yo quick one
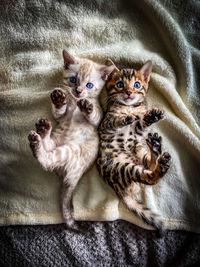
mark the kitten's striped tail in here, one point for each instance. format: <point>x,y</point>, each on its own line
<point>143,212</point>
<point>67,209</point>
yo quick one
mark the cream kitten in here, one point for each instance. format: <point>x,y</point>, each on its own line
<point>72,147</point>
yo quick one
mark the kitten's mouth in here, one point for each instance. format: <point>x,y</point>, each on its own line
<point>78,95</point>
<point>128,98</point>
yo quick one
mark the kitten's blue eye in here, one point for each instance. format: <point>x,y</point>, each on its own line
<point>89,85</point>
<point>137,85</point>
<point>120,85</point>
<point>72,79</point>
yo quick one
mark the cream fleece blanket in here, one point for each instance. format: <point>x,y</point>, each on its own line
<point>33,34</point>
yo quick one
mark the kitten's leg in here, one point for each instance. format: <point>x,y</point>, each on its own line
<point>92,111</point>
<point>152,176</point>
<point>55,158</point>
<point>59,103</point>
<point>111,123</point>
<point>123,174</point>
<point>155,148</point>
<point>44,128</point>
<point>152,116</point>
<point>161,168</point>
<point>139,173</point>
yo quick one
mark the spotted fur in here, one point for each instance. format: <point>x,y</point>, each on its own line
<point>126,160</point>
<point>71,148</point>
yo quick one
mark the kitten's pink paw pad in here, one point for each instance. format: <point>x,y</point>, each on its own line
<point>59,98</point>
<point>43,127</point>
<point>34,140</point>
<point>85,106</point>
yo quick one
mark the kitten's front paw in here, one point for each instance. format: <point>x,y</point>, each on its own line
<point>59,98</point>
<point>154,142</point>
<point>153,116</point>
<point>129,120</point>
<point>34,141</point>
<point>43,127</point>
<point>85,106</point>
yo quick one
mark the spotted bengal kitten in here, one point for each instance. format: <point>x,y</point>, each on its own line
<point>72,147</point>
<point>125,158</point>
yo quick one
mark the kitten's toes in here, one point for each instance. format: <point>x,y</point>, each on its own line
<point>43,127</point>
<point>163,162</point>
<point>59,98</point>
<point>154,142</point>
<point>34,141</point>
<point>129,120</point>
<point>85,106</point>
<point>154,115</point>
<point>165,158</point>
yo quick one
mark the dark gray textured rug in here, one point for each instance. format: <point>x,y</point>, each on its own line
<point>116,243</point>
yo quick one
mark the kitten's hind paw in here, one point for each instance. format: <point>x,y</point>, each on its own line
<point>43,127</point>
<point>152,116</point>
<point>85,106</point>
<point>34,141</point>
<point>154,143</point>
<point>163,162</point>
<point>59,98</point>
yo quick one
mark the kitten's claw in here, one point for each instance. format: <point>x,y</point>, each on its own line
<point>34,141</point>
<point>85,106</point>
<point>59,98</point>
<point>153,116</point>
<point>154,142</point>
<point>43,127</point>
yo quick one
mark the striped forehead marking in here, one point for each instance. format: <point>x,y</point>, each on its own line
<point>127,73</point>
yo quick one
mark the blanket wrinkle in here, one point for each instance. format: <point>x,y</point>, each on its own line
<point>33,36</point>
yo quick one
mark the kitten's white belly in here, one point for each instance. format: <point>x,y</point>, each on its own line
<point>78,131</point>
<point>81,133</point>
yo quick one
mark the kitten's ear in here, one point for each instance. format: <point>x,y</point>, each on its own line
<point>109,62</point>
<point>106,71</point>
<point>68,59</point>
<point>146,71</point>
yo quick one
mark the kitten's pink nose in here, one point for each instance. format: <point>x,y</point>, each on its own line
<point>129,92</point>
<point>78,90</point>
